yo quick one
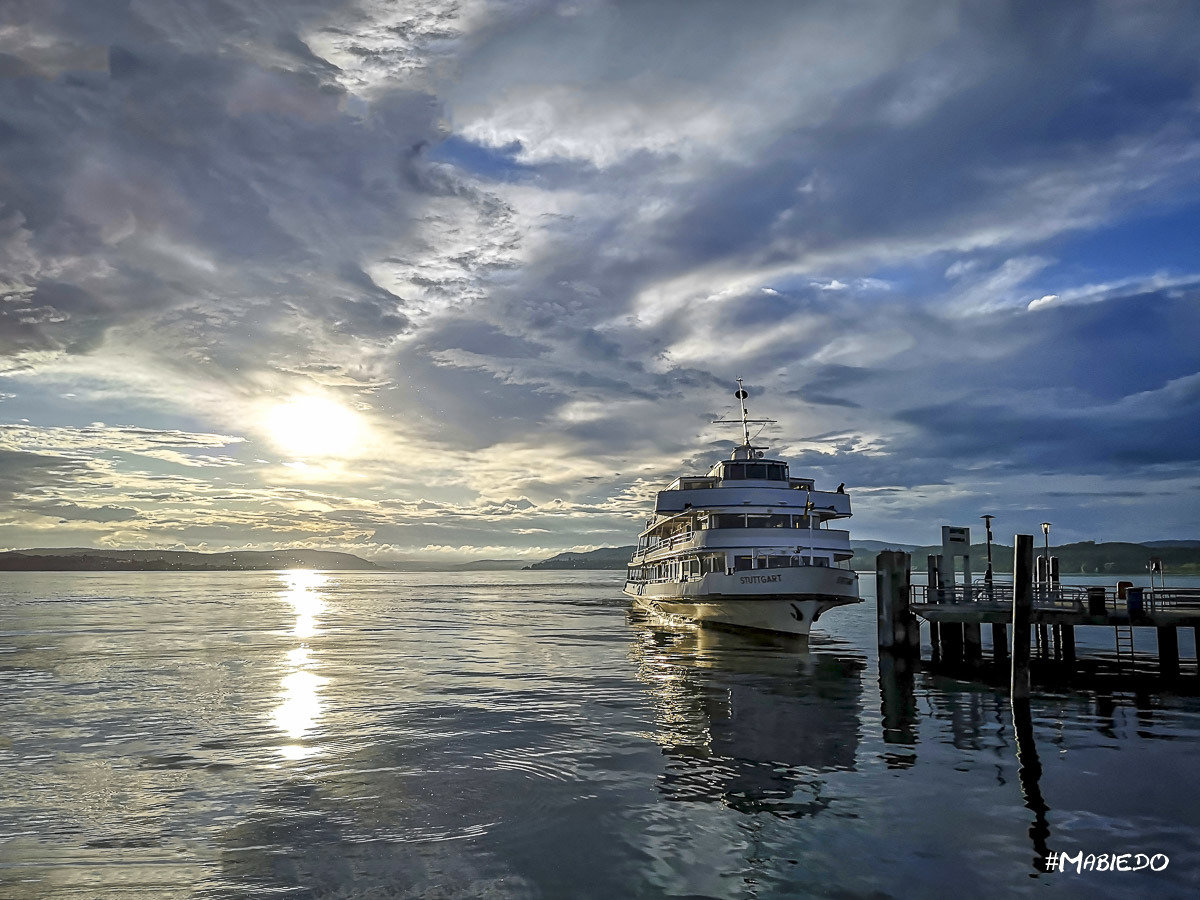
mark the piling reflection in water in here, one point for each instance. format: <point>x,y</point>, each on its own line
<point>898,703</point>
<point>747,721</point>
<point>301,699</point>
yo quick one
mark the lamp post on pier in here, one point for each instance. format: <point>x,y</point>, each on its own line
<point>1046,555</point>
<point>987,576</point>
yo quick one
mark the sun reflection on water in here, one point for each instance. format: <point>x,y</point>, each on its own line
<point>300,708</point>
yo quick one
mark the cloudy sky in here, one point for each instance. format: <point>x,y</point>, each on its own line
<point>463,279</point>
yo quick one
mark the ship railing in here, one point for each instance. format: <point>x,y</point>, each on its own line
<point>798,535</point>
<point>669,544</point>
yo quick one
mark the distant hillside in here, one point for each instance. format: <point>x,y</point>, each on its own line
<point>604,558</point>
<point>883,545</point>
<point>1088,557</point>
<point>84,559</point>
<point>488,565</point>
<point>426,565</point>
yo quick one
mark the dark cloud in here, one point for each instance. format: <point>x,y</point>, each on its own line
<point>22,471</point>
<point>66,512</point>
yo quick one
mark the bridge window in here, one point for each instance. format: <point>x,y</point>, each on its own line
<point>735,471</point>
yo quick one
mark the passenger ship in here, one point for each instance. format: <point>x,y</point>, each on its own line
<point>745,546</point>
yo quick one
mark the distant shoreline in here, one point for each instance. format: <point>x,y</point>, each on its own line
<point>1113,559</point>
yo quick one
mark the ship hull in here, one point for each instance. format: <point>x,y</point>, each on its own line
<point>785,601</point>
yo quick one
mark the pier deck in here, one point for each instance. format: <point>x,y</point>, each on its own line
<point>1046,612</point>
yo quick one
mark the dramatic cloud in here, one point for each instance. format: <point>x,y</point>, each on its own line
<point>518,252</point>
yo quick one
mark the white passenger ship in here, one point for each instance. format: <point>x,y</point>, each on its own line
<point>745,546</point>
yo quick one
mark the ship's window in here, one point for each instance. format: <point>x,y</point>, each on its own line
<point>756,470</point>
<point>773,521</point>
<point>729,520</point>
<point>741,563</point>
<point>735,470</point>
<point>776,472</point>
<point>780,562</point>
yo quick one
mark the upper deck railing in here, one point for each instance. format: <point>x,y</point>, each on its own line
<point>743,538</point>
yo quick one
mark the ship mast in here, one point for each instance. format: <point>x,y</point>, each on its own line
<point>742,395</point>
<point>746,421</point>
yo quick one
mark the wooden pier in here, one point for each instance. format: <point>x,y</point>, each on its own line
<point>1046,612</point>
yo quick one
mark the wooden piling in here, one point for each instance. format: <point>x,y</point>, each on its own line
<point>1068,642</point>
<point>899,630</point>
<point>952,642</point>
<point>999,642</point>
<point>1022,609</point>
<point>885,603</point>
<point>1168,650</point>
<point>972,642</point>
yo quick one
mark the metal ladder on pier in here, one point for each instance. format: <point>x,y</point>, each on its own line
<point>1124,634</point>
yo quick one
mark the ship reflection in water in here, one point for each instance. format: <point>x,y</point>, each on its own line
<point>751,722</point>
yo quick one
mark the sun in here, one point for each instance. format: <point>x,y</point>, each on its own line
<point>315,427</point>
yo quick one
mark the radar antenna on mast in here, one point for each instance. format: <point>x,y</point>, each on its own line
<point>745,421</point>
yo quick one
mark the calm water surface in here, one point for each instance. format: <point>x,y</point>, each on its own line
<point>512,734</point>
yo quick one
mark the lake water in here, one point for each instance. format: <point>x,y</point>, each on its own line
<point>512,734</point>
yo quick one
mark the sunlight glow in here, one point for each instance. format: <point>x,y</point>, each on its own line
<point>300,701</point>
<point>305,599</point>
<point>315,427</point>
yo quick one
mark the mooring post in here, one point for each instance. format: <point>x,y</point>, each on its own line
<point>1068,638</point>
<point>884,601</point>
<point>935,579</point>
<point>933,595</point>
<point>1168,650</point>
<point>1022,610</point>
<point>899,630</point>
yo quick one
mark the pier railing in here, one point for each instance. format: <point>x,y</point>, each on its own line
<point>1065,597</point>
<point>1001,593</point>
